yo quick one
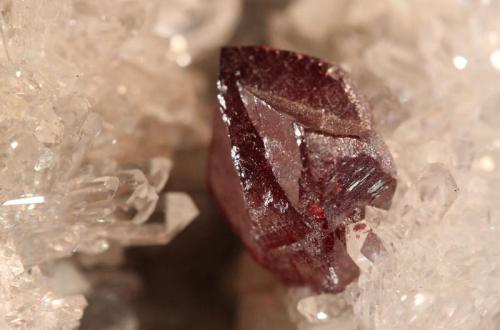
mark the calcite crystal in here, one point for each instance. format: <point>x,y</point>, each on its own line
<point>294,161</point>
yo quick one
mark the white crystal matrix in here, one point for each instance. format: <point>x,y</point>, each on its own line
<point>83,84</point>
<point>431,69</point>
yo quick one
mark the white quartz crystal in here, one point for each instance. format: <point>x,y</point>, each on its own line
<point>90,112</point>
<point>431,71</point>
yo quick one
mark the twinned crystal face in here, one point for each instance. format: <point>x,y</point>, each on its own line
<point>294,161</point>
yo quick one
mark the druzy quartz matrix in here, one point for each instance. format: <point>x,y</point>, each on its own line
<point>295,161</point>
<point>83,84</point>
<point>431,71</point>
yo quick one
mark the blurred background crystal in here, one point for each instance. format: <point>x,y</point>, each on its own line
<point>429,68</point>
<point>104,125</point>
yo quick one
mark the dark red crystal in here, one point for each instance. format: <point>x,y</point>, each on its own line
<point>294,160</point>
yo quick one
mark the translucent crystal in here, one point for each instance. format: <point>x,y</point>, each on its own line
<point>32,300</point>
<point>80,170</point>
<point>180,211</point>
<point>181,27</point>
<point>328,310</point>
<point>437,190</point>
<point>179,31</point>
<point>431,66</point>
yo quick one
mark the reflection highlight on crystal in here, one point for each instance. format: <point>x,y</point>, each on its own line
<point>321,316</point>
<point>495,59</point>
<point>460,62</point>
<point>25,201</point>
<point>183,60</point>
<point>418,299</point>
<point>178,44</point>
<point>487,164</point>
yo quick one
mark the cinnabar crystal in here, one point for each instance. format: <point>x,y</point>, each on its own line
<point>294,160</point>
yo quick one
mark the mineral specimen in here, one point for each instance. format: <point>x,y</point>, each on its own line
<point>431,72</point>
<point>294,161</point>
<point>90,114</point>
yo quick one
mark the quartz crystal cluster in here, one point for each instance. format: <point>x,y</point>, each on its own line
<point>89,116</point>
<point>431,71</point>
<point>295,161</point>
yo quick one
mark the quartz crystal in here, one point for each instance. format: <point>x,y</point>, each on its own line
<point>90,115</point>
<point>294,161</point>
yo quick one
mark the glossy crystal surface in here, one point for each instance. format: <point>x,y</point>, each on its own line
<point>294,161</point>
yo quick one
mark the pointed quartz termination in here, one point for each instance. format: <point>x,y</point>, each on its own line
<point>294,161</point>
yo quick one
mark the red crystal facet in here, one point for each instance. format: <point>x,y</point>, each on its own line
<point>294,160</point>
